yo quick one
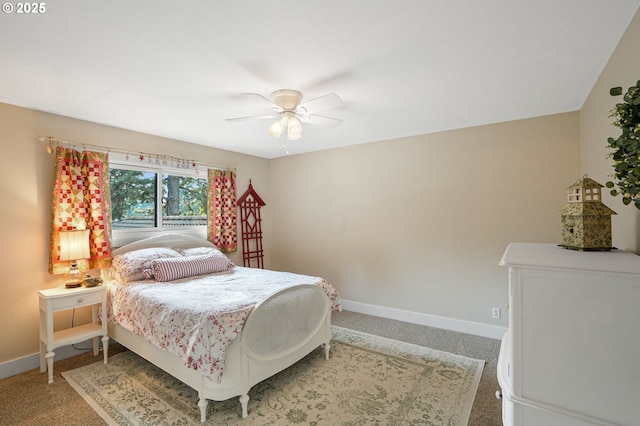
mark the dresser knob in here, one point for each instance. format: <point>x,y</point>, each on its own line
<point>80,300</point>
<point>499,394</point>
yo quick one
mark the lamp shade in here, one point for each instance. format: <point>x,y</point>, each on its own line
<point>275,129</point>
<point>294,129</point>
<point>74,244</point>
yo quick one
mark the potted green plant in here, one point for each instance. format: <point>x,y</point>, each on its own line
<point>626,147</point>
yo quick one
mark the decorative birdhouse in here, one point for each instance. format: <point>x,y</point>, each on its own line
<point>586,221</point>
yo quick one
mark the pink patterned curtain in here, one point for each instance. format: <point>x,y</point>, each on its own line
<point>81,200</point>
<point>222,227</point>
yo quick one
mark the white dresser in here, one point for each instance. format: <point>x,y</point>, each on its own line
<point>572,353</point>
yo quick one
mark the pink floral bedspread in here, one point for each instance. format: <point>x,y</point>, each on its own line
<point>197,318</point>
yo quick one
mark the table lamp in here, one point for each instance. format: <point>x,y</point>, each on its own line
<point>74,245</point>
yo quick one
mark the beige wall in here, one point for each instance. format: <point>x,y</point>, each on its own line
<point>420,223</point>
<point>26,179</point>
<point>623,70</point>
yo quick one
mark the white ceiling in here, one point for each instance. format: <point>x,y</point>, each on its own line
<point>402,67</point>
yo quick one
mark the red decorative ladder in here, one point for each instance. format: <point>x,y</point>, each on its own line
<point>250,204</point>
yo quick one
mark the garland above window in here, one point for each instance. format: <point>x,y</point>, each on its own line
<point>144,158</point>
<point>626,148</point>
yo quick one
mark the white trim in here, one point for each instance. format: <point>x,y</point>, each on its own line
<point>469,327</point>
<point>29,362</point>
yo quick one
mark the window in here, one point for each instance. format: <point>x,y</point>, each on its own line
<point>184,201</point>
<point>133,198</point>
<point>146,200</point>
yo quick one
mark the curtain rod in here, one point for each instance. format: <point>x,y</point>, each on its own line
<point>51,141</point>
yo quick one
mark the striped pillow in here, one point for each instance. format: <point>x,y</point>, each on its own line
<point>181,267</point>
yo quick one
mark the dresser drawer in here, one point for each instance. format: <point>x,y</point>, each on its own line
<point>84,299</point>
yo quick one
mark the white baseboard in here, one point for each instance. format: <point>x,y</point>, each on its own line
<point>29,362</point>
<point>469,327</point>
<point>20,365</point>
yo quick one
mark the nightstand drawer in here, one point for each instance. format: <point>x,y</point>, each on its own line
<point>83,299</point>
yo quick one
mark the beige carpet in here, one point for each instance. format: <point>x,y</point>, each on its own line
<point>369,380</point>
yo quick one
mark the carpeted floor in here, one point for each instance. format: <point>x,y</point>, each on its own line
<point>27,399</point>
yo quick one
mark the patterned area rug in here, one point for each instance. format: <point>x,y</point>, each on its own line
<point>369,380</point>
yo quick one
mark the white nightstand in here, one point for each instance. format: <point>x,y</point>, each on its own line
<point>62,299</point>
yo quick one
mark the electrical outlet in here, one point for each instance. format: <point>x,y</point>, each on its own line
<point>495,313</point>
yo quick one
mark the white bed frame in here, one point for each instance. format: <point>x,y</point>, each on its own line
<point>280,331</point>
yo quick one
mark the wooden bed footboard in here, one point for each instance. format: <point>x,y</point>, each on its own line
<point>280,331</point>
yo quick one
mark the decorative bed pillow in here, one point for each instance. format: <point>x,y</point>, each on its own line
<point>130,266</point>
<point>175,268</point>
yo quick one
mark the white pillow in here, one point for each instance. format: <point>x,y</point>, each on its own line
<point>130,266</point>
<point>199,251</point>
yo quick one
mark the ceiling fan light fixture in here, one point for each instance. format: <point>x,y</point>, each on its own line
<point>294,128</point>
<point>290,112</point>
<point>276,128</point>
<point>293,137</point>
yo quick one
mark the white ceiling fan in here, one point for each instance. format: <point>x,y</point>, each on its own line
<point>289,112</point>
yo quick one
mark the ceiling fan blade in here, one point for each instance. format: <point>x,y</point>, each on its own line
<point>252,117</point>
<point>322,103</point>
<point>270,103</point>
<point>319,120</point>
